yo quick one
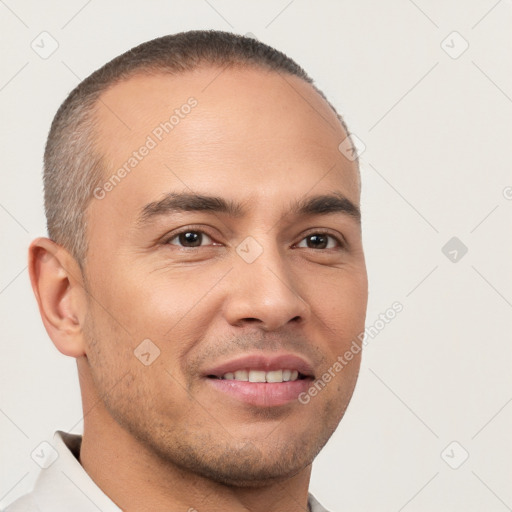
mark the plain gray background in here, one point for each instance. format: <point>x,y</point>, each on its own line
<point>436,120</point>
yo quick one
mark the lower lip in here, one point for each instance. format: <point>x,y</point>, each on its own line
<point>262,394</point>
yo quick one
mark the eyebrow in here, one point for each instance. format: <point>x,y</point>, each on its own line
<point>174,202</point>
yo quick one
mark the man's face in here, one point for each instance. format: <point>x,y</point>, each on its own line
<point>264,288</point>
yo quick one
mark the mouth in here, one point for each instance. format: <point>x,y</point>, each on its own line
<point>262,380</point>
<point>248,375</point>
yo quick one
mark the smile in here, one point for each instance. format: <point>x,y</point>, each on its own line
<point>261,376</point>
<point>261,380</point>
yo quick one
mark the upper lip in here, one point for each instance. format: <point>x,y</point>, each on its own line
<point>263,362</point>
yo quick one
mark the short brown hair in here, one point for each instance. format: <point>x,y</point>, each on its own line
<point>72,165</point>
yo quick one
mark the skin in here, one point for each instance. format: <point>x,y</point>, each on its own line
<point>158,437</point>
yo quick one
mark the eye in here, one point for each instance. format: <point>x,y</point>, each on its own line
<point>320,241</point>
<point>189,238</point>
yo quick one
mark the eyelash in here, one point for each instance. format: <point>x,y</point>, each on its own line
<point>341,243</point>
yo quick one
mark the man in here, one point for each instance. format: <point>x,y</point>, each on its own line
<point>205,268</point>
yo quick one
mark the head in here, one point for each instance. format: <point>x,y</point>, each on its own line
<point>199,211</point>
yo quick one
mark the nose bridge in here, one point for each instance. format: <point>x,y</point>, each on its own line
<point>263,288</point>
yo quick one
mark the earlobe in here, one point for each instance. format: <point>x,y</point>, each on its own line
<point>57,283</point>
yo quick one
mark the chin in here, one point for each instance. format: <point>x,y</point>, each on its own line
<point>249,463</point>
<point>250,473</point>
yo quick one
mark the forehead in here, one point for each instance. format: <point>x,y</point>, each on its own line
<point>225,131</point>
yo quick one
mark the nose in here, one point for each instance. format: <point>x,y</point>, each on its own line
<point>264,293</point>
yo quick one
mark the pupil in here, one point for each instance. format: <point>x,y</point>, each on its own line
<point>190,237</point>
<point>319,241</point>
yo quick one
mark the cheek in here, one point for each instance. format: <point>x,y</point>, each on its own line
<point>341,301</point>
<point>109,353</point>
<point>124,377</point>
<point>341,313</point>
<point>149,306</point>
<point>173,312</point>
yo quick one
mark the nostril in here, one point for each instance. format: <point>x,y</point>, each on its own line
<point>248,321</point>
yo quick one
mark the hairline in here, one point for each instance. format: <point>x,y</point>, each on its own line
<point>74,162</point>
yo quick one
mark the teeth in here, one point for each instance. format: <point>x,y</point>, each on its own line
<point>262,376</point>
<point>275,376</point>
<point>256,376</point>
<point>241,375</point>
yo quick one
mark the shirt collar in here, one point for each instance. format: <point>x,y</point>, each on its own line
<point>64,484</point>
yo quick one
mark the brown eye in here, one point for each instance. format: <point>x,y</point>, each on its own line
<point>189,238</point>
<point>320,241</point>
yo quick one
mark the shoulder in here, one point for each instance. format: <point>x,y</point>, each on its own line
<point>23,504</point>
<point>314,505</point>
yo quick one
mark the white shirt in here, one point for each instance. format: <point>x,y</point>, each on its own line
<point>64,485</point>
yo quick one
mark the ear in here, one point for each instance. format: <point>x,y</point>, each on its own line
<point>57,283</point>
